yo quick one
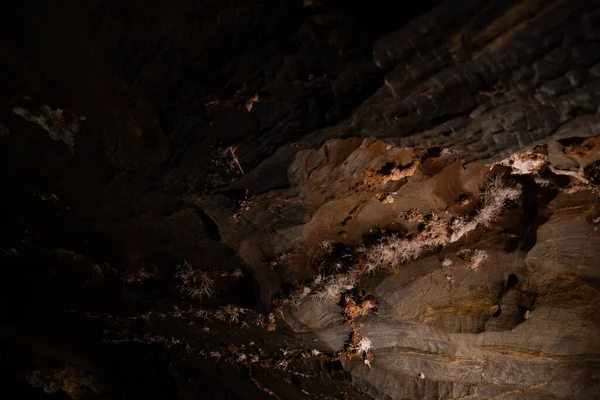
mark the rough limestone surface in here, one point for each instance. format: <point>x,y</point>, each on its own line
<point>300,199</point>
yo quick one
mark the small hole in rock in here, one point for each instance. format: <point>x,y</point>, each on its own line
<point>334,366</point>
<point>432,152</point>
<point>387,168</point>
<point>511,281</point>
<point>497,313</point>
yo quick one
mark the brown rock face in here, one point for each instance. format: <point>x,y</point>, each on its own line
<point>301,199</point>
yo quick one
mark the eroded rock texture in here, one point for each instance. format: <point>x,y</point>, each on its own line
<point>301,199</point>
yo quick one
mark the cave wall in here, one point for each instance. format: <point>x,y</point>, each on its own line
<point>293,199</point>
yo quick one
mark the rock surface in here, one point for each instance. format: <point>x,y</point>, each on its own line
<point>287,199</point>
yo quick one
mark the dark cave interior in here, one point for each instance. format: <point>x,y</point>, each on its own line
<point>300,199</point>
